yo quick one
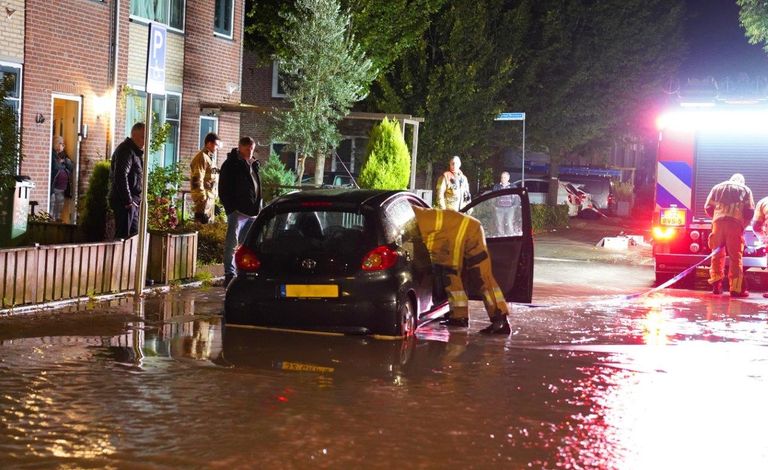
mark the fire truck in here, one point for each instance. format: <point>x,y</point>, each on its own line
<point>699,147</point>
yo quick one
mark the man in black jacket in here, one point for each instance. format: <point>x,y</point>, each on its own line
<point>125,174</point>
<point>240,193</point>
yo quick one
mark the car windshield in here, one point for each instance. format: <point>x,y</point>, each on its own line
<point>325,230</point>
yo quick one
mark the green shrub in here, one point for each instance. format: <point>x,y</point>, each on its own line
<point>210,242</point>
<point>273,175</point>
<point>546,217</point>
<point>10,142</point>
<point>388,164</point>
<point>162,189</point>
<point>96,211</point>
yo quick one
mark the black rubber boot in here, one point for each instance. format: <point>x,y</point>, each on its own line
<point>498,326</point>
<point>717,287</point>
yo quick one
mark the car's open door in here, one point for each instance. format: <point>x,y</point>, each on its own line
<point>506,219</point>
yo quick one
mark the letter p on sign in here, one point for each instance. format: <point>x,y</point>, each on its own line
<point>155,78</point>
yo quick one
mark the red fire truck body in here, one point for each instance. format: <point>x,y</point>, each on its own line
<point>698,148</point>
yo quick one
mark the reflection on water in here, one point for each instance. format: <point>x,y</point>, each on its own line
<point>659,383</point>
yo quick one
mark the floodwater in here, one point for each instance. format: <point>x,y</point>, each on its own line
<point>676,380</point>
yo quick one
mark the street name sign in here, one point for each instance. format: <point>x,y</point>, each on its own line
<point>510,117</point>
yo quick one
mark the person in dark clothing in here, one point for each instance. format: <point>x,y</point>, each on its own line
<point>240,194</point>
<point>126,178</point>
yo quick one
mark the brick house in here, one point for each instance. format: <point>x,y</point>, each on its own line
<point>80,65</point>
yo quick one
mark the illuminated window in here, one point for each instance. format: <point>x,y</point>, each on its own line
<point>165,109</point>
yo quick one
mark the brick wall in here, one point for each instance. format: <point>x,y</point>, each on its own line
<point>211,65</point>
<point>66,52</point>
<point>12,32</point>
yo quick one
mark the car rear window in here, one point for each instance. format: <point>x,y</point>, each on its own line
<point>325,230</point>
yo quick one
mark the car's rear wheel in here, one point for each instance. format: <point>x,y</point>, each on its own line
<point>406,318</point>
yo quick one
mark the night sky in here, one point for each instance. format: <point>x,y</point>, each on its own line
<point>718,46</point>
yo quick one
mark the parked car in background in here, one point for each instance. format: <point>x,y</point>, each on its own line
<point>577,199</point>
<point>333,179</point>
<point>353,262</point>
<point>600,188</point>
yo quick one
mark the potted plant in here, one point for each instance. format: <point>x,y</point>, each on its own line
<point>172,244</point>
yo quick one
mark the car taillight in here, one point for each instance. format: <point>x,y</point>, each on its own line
<point>379,259</point>
<point>664,233</point>
<point>246,260</point>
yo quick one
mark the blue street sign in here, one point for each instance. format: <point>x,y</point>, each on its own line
<point>510,117</point>
<point>156,59</point>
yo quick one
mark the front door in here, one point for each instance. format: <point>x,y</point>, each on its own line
<point>66,124</point>
<point>506,219</point>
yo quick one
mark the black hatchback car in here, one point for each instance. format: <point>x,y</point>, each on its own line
<point>353,262</point>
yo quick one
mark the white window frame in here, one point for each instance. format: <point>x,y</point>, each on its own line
<point>200,135</point>
<point>275,81</point>
<point>21,88</point>
<point>142,90</point>
<point>141,19</point>
<point>231,20</point>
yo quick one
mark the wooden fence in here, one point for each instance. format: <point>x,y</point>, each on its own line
<point>55,272</point>
<point>172,256</point>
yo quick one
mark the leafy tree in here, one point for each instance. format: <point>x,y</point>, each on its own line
<point>325,72</point>
<point>455,77</point>
<point>273,175</point>
<point>10,143</point>
<point>591,66</point>
<point>385,30</point>
<point>754,18</point>
<point>388,164</point>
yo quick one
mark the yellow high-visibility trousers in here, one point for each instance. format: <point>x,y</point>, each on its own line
<point>729,233</point>
<point>456,241</point>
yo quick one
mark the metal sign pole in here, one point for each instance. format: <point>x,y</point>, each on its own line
<point>141,261</point>
<point>155,84</point>
<point>523,171</point>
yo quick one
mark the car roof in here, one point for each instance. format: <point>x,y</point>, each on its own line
<point>358,197</point>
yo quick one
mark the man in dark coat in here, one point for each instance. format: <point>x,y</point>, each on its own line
<point>126,178</point>
<point>240,193</point>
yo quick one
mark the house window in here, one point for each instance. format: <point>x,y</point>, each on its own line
<point>277,85</point>
<point>168,12</point>
<point>165,109</point>
<point>11,75</point>
<point>208,124</point>
<point>222,18</point>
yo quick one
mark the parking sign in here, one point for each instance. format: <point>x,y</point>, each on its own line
<point>156,59</point>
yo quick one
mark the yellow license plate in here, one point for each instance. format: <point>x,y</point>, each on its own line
<point>672,217</point>
<point>304,367</point>
<point>310,290</point>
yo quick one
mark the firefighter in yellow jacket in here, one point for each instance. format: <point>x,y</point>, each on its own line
<point>204,178</point>
<point>456,242</point>
<point>452,188</point>
<point>731,206</point>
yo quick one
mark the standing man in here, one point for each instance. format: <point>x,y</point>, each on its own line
<point>240,193</point>
<point>505,207</point>
<point>126,177</point>
<point>452,189</point>
<point>456,242</point>
<point>758,222</point>
<point>731,206</point>
<point>203,179</point>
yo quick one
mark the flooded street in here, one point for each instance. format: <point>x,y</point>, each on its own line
<point>588,379</point>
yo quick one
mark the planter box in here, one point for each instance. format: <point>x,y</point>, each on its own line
<point>171,256</point>
<point>57,272</point>
<point>50,233</point>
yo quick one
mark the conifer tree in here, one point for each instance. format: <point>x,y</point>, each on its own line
<point>388,163</point>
